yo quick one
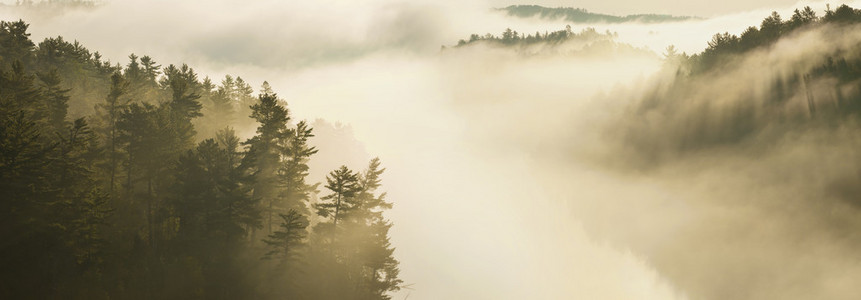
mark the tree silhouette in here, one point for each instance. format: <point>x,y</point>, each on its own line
<point>159,198</point>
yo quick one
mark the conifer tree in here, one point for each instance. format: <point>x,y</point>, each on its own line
<point>287,248</point>
<point>15,43</point>
<point>296,192</point>
<point>107,116</point>
<point>372,254</point>
<point>152,203</point>
<point>265,88</point>
<point>56,100</point>
<point>287,242</point>
<point>266,148</point>
<point>344,186</point>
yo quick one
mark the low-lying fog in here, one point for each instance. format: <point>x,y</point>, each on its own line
<point>507,178</point>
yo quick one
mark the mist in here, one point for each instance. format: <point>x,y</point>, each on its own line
<point>556,173</point>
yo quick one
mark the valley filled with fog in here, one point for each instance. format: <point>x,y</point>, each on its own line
<point>586,168</point>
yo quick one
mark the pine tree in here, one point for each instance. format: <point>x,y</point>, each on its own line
<point>266,148</point>
<point>212,196</point>
<point>18,92</point>
<point>357,236</point>
<point>244,99</point>
<point>139,206</point>
<point>53,210</point>
<point>151,69</point>
<point>265,88</point>
<point>213,204</point>
<point>15,43</point>
<point>218,110</point>
<point>141,130</point>
<point>56,100</point>
<point>133,70</point>
<point>107,116</point>
<point>286,244</point>
<point>372,253</point>
<point>287,247</point>
<point>294,170</point>
<point>344,186</point>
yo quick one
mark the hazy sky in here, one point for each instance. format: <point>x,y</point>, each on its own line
<point>474,140</point>
<point>703,8</point>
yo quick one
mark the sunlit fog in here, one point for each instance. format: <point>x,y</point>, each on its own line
<point>389,149</point>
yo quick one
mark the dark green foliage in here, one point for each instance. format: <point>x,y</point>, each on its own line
<point>56,100</point>
<point>83,72</point>
<point>15,44</point>
<point>211,205</point>
<point>579,15</point>
<point>158,199</point>
<point>53,213</point>
<point>107,116</point>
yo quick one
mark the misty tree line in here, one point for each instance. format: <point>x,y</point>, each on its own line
<point>586,43</point>
<point>130,181</point>
<point>512,37</point>
<point>580,15</point>
<point>723,45</point>
<point>724,49</point>
<point>823,85</point>
<point>767,98</point>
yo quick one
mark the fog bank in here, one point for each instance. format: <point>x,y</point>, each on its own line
<point>538,176</point>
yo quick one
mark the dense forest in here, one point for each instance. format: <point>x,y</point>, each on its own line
<point>135,180</point>
<point>784,75</point>
<point>723,46</point>
<point>579,15</point>
<point>512,37</point>
<point>781,91</point>
<point>588,42</point>
<point>129,181</point>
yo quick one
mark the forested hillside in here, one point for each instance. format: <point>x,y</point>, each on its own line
<point>588,42</point>
<point>579,15</point>
<point>783,75</point>
<point>764,127</point>
<point>512,37</point>
<point>129,181</point>
<point>564,163</point>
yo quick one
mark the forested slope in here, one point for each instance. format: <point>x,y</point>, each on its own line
<point>748,152</point>
<point>757,137</point>
<point>803,71</point>
<point>586,43</point>
<point>580,15</point>
<point>129,181</point>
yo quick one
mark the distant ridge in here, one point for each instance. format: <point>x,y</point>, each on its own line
<point>579,15</point>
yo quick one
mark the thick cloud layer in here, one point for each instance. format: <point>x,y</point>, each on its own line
<point>533,177</point>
